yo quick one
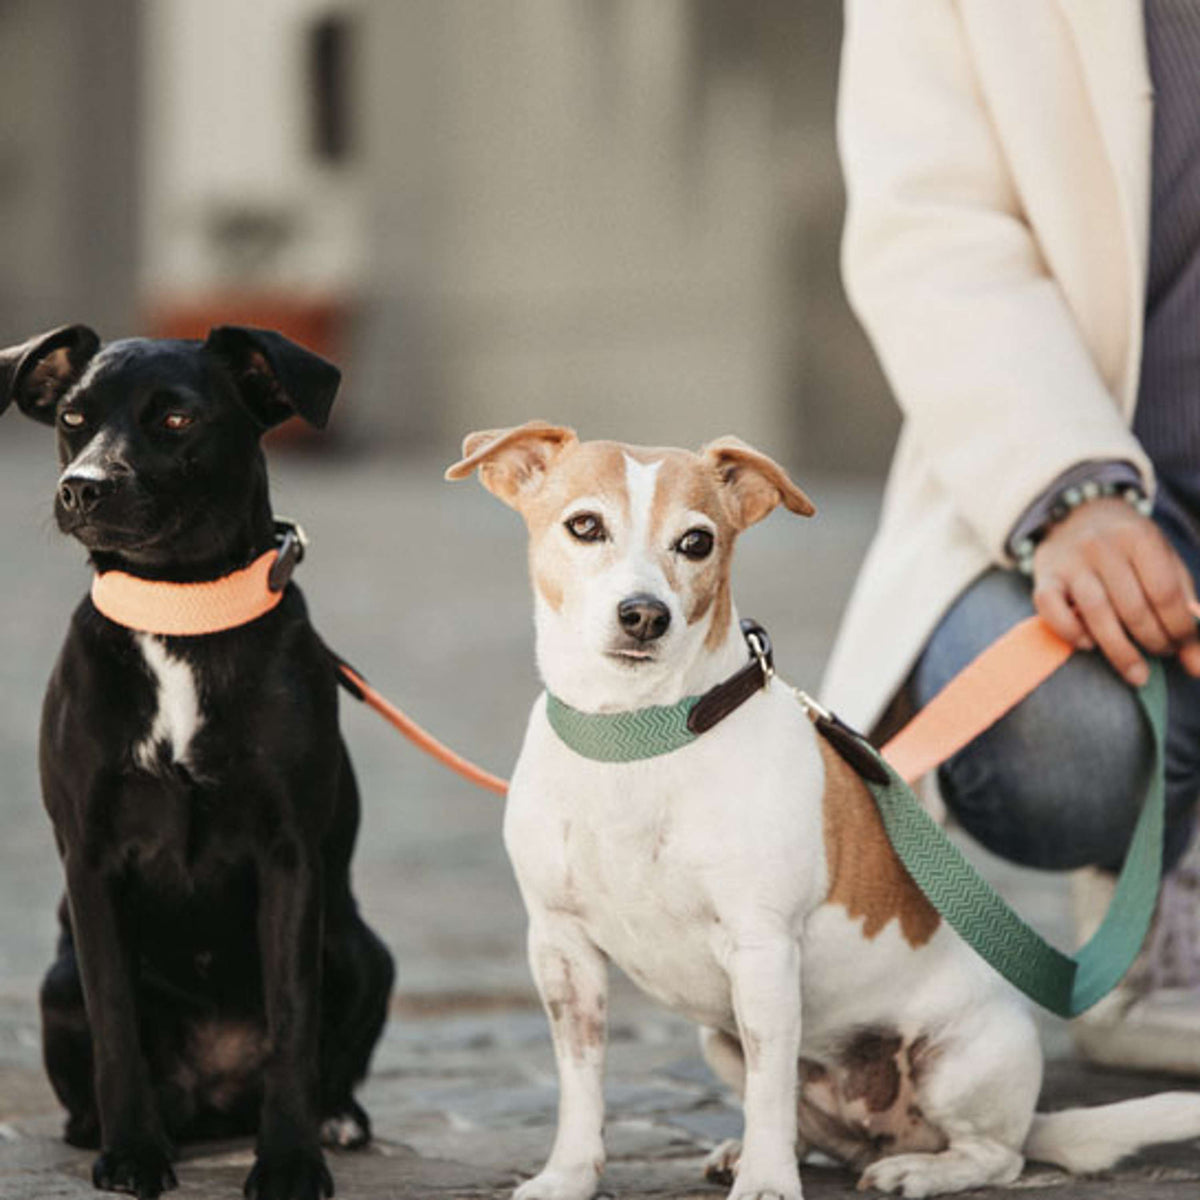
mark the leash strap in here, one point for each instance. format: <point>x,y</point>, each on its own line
<point>989,686</point>
<point>1065,985</point>
<point>360,689</point>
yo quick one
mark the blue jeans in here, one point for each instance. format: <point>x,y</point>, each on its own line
<point>1058,782</point>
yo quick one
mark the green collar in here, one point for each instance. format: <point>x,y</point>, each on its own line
<point>622,736</point>
<point>648,732</point>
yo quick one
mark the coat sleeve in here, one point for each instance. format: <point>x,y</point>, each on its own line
<point>978,343</point>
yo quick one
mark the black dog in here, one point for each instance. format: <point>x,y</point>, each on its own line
<point>214,976</point>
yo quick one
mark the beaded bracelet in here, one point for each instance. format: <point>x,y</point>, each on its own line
<point>1067,501</point>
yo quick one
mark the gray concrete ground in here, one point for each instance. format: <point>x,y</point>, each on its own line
<point>421,584</point>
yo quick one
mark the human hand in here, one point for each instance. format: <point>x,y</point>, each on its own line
<point>1106,576</point>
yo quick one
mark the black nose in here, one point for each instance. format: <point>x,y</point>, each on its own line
<point>80,494</point>
<point>643,617</point>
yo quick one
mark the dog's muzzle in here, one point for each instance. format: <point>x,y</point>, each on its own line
<point>80,494</point>
<point>643,617</point>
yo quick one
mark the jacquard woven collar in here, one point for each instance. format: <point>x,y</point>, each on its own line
<point>197,609</point>
<point>648,732</point>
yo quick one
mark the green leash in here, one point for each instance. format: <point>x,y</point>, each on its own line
<point>1064,984</point>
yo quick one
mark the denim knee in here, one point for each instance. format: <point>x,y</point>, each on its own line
<point>1059,782</point>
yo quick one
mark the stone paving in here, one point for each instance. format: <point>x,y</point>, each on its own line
<point>421,584</point>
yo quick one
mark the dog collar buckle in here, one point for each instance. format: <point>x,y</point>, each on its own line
<point>717,703</point>
<point>293,542</point>
<point>760,647</point>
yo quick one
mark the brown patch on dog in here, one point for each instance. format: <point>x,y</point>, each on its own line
<point>685,484</point>
<point>577,1020</point>
<point>865,875</point>
<point>752,485</point>
<point>872,1073</point>
<point>862,1103</point>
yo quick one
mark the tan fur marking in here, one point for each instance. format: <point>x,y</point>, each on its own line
<point>862,1103</point>
<point>687,484</point>
<point>865,876</point>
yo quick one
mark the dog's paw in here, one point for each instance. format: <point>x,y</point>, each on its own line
<point>559,1183</point>
<point>722,1164</point>
<point>347,1129</point>
<point>910,1175</point>
<point>955,1170</point>
<point>780,1184</point>
<point>289,1175</point>
<point>140,1170</point>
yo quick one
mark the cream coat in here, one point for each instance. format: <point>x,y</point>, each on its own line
<point>997,158</point>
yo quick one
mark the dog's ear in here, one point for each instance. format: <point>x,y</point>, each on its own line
<point>37,373</point>
<point>276,378</point>
<point>752,485</point>
<point>512,463</point>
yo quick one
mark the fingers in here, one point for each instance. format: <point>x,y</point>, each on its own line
<point>1133,604</point>
<point>1095,609</point>
<point>1167,586</point>
<point>1050,600</point>
<point>1109,576</point>
<point>1189,651</point>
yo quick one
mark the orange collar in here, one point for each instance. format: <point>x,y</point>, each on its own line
<point>195,609</point>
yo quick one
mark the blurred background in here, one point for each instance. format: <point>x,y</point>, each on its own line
<point>613,213</point>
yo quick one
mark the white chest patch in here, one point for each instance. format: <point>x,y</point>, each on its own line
<point>177,717</point>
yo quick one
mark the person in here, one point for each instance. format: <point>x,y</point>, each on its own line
<point>1022,245</point>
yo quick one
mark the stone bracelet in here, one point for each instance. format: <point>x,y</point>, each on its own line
<point>1065,503</point>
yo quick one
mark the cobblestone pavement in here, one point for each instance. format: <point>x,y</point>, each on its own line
<point>422,585</point>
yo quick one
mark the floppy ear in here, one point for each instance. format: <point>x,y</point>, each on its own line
<point>512,463</point>
<point>39,372</point>
<point>752,485</point>
<point>277,378</point>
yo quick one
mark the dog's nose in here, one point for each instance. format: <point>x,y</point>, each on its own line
<point>80,493</point>
<point>643,617</point>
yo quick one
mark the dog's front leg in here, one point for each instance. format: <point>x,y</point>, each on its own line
<point>572,979</point>
<point>765,977</point>
<point>135,1155</point>
<point>289,1164</point>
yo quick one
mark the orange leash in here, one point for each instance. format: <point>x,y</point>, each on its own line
<point>977,697</point>
<point>362,690</point>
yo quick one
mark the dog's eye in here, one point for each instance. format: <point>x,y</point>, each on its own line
<point>72,418</point>
<point>586,527</point>
<point>177,421</point>
<point>696,544</point>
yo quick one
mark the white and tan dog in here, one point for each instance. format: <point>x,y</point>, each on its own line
<point>744,880</point>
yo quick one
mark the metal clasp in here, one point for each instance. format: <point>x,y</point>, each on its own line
<point>815,710</point>
<point>760,647</point>
<point>293,542</point>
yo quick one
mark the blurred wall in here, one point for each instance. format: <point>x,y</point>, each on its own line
<point>621,214</point>
<point>70,154</point>
<point>617,214</point>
